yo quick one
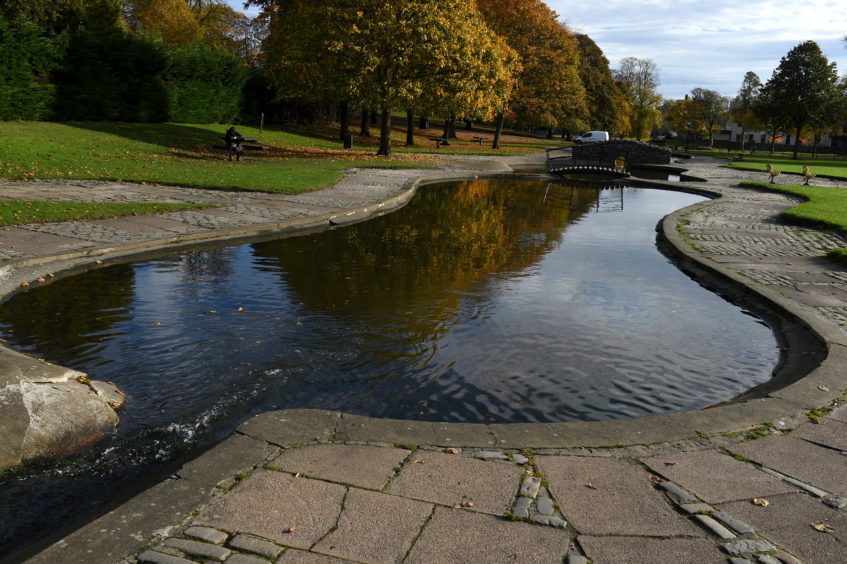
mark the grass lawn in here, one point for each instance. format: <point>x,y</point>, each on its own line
<point>179,154</point>
<point>824,207</point>
<point>13,212</point>
<point>824,165</point>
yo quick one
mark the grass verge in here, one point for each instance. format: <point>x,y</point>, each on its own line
<point>823,165</point>
<point>179,154</point>
<point>14,212</point>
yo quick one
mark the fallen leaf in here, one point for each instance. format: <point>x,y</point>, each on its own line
<point>40,279</point>
<point>418,461</point>
<point>823,388</point>
<point>240,309</point>
<point>670,463</point>
<point>657,479</point>
<point>760,502</point>
<point>452,450</point>
<point>457,507</point>
<point>822,527</point>
<point>467,504</point>
<point>590,486</point>
<point>24,283</point>
<point>157,323</point>
<point>291,529</point>
<point>297,475</point>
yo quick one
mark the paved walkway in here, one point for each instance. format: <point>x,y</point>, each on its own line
<point>316,487</point>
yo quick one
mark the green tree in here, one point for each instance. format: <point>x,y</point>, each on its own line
<point>800,87</point>
<point>742,105</point>
<point>607,106</point>
<point>641,77</point>
<point>684,116</point>
<point>56,16</point>
<point>712,109</point>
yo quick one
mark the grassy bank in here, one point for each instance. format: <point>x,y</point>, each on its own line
<point>13,212</point>
<point>823,165</point>
<point>178,154</point>
<point>825,207</point>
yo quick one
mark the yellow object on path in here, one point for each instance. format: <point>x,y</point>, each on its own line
<point>807,174</point>
<point>772,172</point>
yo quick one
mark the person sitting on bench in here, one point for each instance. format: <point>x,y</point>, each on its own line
<point>234,142</point>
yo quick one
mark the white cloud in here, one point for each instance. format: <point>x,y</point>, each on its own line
<point>708,44</point>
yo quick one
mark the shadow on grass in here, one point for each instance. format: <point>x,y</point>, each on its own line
<point>185,137</point>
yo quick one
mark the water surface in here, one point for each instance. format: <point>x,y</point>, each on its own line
<point>480,301</point>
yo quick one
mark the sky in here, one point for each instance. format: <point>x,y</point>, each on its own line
<point>705,44</point>
<point>708,44</point>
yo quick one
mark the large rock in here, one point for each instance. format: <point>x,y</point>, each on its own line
<point>49,411</point>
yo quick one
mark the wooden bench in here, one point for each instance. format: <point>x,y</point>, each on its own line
<point>480,139</point>
<point>439,141</point>
<point>245,147</point>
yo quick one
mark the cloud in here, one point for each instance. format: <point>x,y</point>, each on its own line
<point>708,45</point>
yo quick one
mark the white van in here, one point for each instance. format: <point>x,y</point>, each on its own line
<point>592,137</point>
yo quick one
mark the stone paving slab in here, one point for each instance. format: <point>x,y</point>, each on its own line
<point>793,457</point>
<point>453,536</point>
<point>626,550</point>
<point>127,529</point>
<point>705,474</point>
<point>787,520</point>
<point>375,527</point>
<point>292,427</point>
<point>830,432</point>
<point>236,454</point>
<point>277,506</point>
<point>451,479</point>
<point>609,496</point>
<point>400,432</point>
<point>839,413</point>
<point>292,556</point>
<point>357,465</point>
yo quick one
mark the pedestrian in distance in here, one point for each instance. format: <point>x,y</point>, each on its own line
<point>234,143</point>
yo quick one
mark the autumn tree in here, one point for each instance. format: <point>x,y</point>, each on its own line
<point>641,76</point>
<point>548,90</point>
<point>800,87</point>
<point>385,54</point>
<point>711,108</point>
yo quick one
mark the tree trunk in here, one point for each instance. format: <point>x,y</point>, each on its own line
<point>344,118</point>
<point>452,130</point>
<point>445,135</point>
<point>424,122</point>
<point>742,140</point>
<point>549,133</point>
<point>374,115</point>
<point>366,126</point>
<point>410,128</point>
<point>385,133</point>
<point>468,124</point>
<point>797,141</point>
<point>501,117</point>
